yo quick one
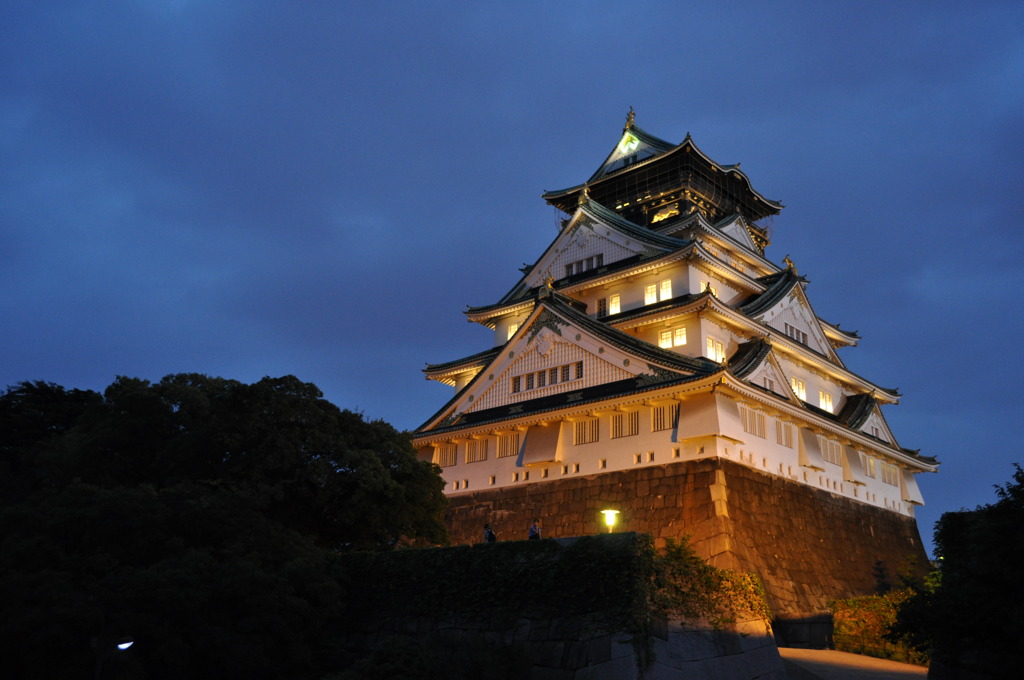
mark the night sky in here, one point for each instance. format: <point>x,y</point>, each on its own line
<point>247,189</point>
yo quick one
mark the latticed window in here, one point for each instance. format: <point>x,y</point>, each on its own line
<point>444,455</point>
<point>799,388</point>
<point>476,450</point>
<point>613,304</point>
<point>753,421</point>
<point>784,433</point>
<point>664,417</point>
<point>715,350</point>
<point>890,474</point>
<point>650,294</point>
<point>869,463</point>
<point>508,445</point>
<point>825,400</point>
<point>831,450</point>
<point>625,424</point>
<point>586,431</point>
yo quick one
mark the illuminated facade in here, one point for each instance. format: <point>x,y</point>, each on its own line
<point>654,331</point>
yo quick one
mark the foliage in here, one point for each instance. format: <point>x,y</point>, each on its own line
<point>200,515</point>
<point>865,625</point>
<point>971,610</point>
<point>689,588</point>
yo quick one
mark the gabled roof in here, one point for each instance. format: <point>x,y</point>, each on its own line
<point>652,366</point>
<point>638,149</point>
<point>591,214</point>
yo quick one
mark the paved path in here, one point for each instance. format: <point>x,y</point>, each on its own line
<point>828,664</point>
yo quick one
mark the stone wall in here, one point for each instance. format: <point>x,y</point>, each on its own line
<point>566,649</point>
<point>807,545</point>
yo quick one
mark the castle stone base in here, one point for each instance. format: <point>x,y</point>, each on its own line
<point>807,545</point>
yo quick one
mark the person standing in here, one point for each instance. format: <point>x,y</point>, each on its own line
<point>489,536</point>
<point>535,529</point>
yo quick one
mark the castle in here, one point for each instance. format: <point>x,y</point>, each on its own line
<point>653,361</point>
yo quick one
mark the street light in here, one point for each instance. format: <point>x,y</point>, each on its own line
<point>609,518</point>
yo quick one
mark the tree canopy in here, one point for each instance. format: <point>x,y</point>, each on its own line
<point>199,515</point>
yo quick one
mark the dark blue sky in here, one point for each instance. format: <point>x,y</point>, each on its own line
<point>267,188</point>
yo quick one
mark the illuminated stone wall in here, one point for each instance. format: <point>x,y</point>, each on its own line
<point>807,545</point>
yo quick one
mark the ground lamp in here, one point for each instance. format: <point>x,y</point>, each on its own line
<point>609,519</point>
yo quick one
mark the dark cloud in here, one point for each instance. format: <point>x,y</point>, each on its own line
<point>249,190</point>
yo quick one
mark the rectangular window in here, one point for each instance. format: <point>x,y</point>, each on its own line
<point>579,370</point>
<point>542,379</point>
<point>512,328</point>
<point>890,474</point>
<point>868,462</point>
<point>602,307</point>
<point>679,336</point>
<point>531,380</point>
<point>565,373</point>
<point>552,375</point>
<point>650,294</point>
<point>799,388</point>
<point>517,384</point>
<point>665,339</point>
<point>508,445</point>
<point>716,350</point>
<point>545,377</point>
<point>769,384</point>
<point>784,434</point>
<point>586,431</point>
<point>825,400</point>
<point>613,304</point>
<point>831,450</point>
<point>753,421</point>
<point>625,424</point>
<point>664,417</point>
<point>476,450</point>
<point>796,334</point>
<point>665,290</point>
<point>444,455</point>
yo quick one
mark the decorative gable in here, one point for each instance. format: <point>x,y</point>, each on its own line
<point>737,231</point>
<point>792,316</point>
<point>769,376</point>
<point>585,245</point>
<point>876,426</point>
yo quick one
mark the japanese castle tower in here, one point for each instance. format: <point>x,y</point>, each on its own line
<point>654,361</point>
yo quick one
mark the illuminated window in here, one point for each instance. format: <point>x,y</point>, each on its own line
<point>625,424</point>
<point>508,445</point>
<point>831,450</point>
<point>869,464</point>
<point>664,417</point>
<point>444,455</point>
<point>650,294</point>
<point>799,388</point>
<point>512,328</point>
<point>476,450</point>
<point>890,474</point>
<point>825,400</point>
<point>716,350</point>
<point>753,421</point>
<point>706,285</point>
<point>665,290</point>
<point>586,431</point>
<point>613,304</point>
<point>672,338</point>
<point>784,434</point>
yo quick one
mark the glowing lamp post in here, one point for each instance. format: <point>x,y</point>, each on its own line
<point>609,519</point>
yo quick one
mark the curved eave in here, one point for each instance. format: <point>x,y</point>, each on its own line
<point>827,422</point>
<point>565,197</point>
<point>456,366</point>
<point>780,341</point>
